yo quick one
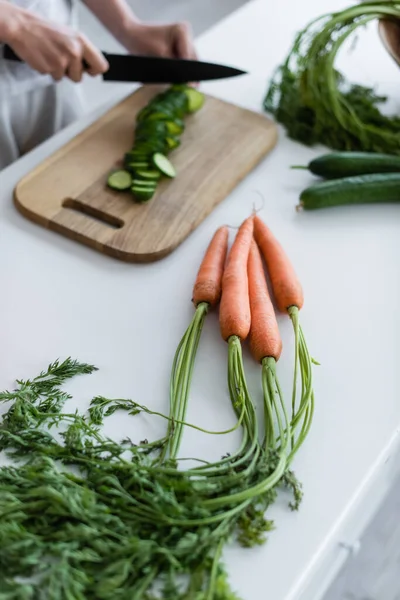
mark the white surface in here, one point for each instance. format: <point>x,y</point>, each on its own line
<point>59,298</point>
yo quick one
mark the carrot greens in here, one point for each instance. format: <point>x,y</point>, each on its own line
<point>316,104</point>
<point>86,517</point>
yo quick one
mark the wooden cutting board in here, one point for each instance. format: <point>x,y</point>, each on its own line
<point>67,193</point>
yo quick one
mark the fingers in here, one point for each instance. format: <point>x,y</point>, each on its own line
<point>184,47</point>
<point>183,44</point>
<point>95,59</point>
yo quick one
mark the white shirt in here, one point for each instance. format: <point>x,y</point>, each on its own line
<point>17,78</point>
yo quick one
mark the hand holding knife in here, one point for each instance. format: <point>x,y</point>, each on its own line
<point>149,69</point>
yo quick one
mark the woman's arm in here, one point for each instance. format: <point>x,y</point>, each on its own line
<point>116,16</point>
<point>173,40</point>
<point>48,47</point>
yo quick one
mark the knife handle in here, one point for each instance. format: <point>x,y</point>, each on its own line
<point>9,54</point>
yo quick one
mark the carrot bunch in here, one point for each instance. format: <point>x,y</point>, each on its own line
<point>246,311</point>
<point>237,281</point>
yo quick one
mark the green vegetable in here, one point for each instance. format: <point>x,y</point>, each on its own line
<point>172,142</point>
<point>313,100</point>
<point>88,518</point>
<point>163,164</point>
<point>364,189</point>
<point>158,126</point>
<point>143,193</point>
<point>175,127</point>
<point>150,174</point>
<point>120,180</point>
<point>347,164</point>
<point>196,99</point>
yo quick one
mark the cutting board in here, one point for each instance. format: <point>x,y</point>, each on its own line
<point>67,193</point>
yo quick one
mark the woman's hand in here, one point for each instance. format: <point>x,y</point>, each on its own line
<point>167,41</point>
<point>47,47</point>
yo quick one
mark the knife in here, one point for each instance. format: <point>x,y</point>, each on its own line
<point>149,69</point>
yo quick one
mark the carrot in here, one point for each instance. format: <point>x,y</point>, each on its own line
<point>235,306</point>
<point>208,285</point>
<point>265,339</point>
<point>286,287</point>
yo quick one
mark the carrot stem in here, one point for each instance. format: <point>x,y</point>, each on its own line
<point>181,377</point>
<point>294,315</point>
<point>302,415</point>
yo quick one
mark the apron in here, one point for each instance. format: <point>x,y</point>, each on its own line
<point>17,78</point>
<point>32,106</point>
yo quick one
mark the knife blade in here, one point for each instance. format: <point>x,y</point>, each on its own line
<point>149,69</point>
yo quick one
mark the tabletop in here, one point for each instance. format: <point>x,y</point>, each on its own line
<point>61,299</point>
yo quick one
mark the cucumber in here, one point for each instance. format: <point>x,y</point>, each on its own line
<point>142,194</point>
<point>119,180</point>
<point>164,165</point>
<point>157,128</point>
<point>144,183</point>
<point>337,165</point>
<point>138,164</point>
<point>175,127</point>
<point>159,125</point>
<point>151,146</point>
<point>150,174</point>
<point>172,142</point>
<point>135,156</point>
<point>377,188</point>
<point>133,168</point>
<point>195,99</point>
<point>159,114</point>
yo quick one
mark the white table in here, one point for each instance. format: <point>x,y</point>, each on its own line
<point>59,298</point>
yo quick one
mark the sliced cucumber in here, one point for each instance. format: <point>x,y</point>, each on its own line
<point>175,127</point>
<point>151,145</point>
<point>160,115</point>
<point>119,180</point>
<point>142,194</point>
<point>164,165</point>
<point>172,142</point>
<point>195,99</point>
<point>137,165</point>
<point>150,174</point>
<point>145,183</point>
<point>157,128</point>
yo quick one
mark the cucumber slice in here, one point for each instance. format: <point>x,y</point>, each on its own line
<point>142,194</point>
<point>175,127</point>
<point>147,184</point>
<point>150,174</point>
<point>138,165</point>
<point>153,128</point>
<point>164,165</point>
<point>172,142</point>
<point>195,99</point>
<point>119,180</point>
<point>150,145</point>
<point>159,115</point>
<point>179,87</point>
<point>131,157</point>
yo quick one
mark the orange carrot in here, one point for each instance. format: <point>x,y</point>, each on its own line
<point>234,315</point>
<point>286,287</point>
<point>208,285</point>
<point>265,339</point>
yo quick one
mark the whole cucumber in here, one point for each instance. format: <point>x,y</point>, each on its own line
<point>346,164</point>
<point>364,189</point>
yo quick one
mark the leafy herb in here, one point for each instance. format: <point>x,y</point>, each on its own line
<point>85,517</point>
<point>314,101</point>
